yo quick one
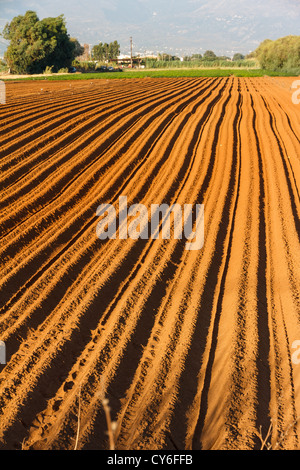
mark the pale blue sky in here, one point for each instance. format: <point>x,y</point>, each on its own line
<point>171,25</point>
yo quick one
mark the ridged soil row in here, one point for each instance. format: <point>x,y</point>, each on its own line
<point>157,386</point>
<point>74,93</point>
<point>63,220</point>
<point>95,95</point>
<point>226,354</point>
<point>113,336</point>
<point>75,298</point>
<point>70,138</point>
<point>282,209</point>
<point>26,159</point>
<point>70,125</point>
<point>193,349</point>
<point>76,160</point>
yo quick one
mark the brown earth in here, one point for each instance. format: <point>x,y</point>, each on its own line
<point>193,349</point>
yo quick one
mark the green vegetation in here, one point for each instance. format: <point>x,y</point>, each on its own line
<point>209,59</point>
<point>280,55</point>
<point>78,48</point>
<point>84,66</point>
<point>3,67</point>
<point>64,70</point>
<point>106,51</point>
<point>192,57</point>
<point>238,56</point>
<point>201,63</point>
<point>36,44</point>
<point>164,73</point>
<point>209,55</point>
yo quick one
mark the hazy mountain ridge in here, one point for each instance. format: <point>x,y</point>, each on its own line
<point>191,26</point>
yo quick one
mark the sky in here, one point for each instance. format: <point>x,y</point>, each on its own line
<point>180,27</point>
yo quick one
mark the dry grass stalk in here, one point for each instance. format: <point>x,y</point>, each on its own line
<point>78,421</point>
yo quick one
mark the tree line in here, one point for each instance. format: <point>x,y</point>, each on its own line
<point>207,56</point>
<point>211,56</point>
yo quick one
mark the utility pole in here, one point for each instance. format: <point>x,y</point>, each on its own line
<point>131,51</point>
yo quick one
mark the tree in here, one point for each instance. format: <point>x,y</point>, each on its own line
<point>282,54</point>
<point>78,48</point>
<point>98,52</point>
<point>209,55</point>
<point>36,44</point>
<point>114,50</point>
<point>196,56</point>
<point>238,56</point>
<point>106,51</point>
<point>167,57</point>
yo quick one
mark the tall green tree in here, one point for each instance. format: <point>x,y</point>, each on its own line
<point>98,52</point>
<point>114,50</point>
<point>106,51</point>
<point>36,44</point>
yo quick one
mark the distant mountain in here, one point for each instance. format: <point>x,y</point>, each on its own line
<point>182,27</point>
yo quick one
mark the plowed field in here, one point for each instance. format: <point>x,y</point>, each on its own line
<point>193,349</point>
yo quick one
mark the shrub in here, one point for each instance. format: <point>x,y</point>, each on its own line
<point>48,69</point>
<point>280,55</point>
